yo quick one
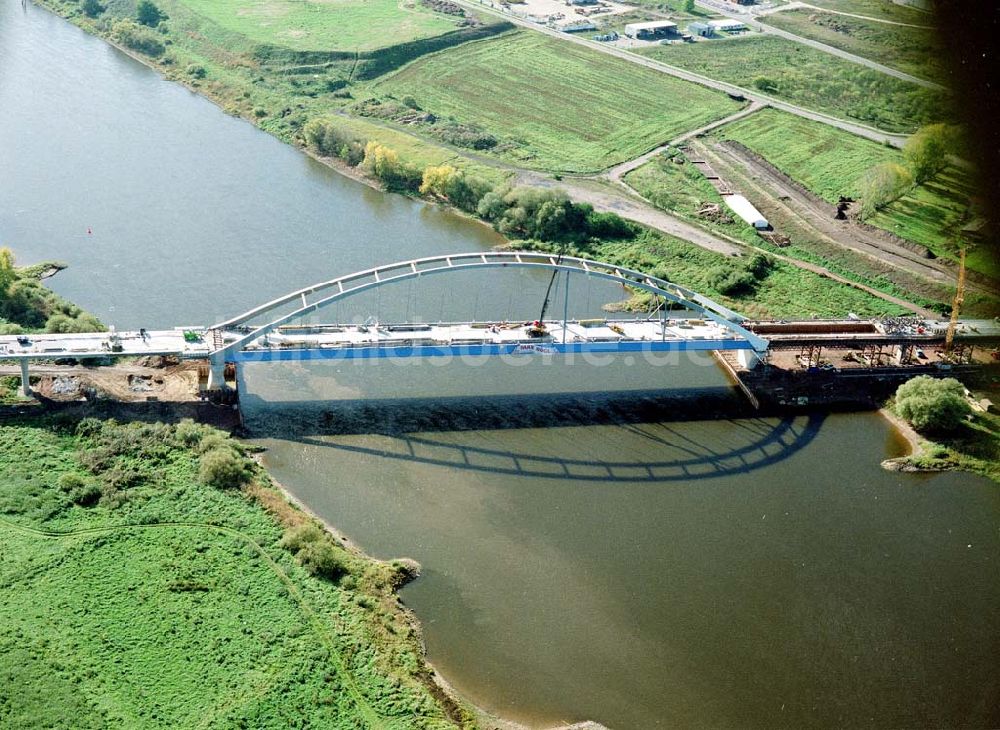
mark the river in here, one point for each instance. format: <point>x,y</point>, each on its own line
<point>603,557</point>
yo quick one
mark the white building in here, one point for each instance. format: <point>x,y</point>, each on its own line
<point>650,30</point>
<point>745,210</point>
<point>727,24</point>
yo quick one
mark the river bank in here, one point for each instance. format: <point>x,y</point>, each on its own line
<point>974,448</point>
<point>371,658</point>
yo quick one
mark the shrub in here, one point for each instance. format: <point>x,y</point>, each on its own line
<point>223,468</point>
<point>196,70</point>
<point>314,550</point>
<point>930,404</point>
<point>322,559</point>
<point>148,14</point>
<point>70,481</point>
<point>137,37</point>
<point>87,495</point>
<point>189,433</point>
<point>296,538</point>
<point>91,8</point>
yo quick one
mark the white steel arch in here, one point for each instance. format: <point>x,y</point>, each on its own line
<point>346,286</point>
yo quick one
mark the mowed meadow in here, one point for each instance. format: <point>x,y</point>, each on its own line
<point>563,107</point>
<point>810,78</point>
<point>325,25</point>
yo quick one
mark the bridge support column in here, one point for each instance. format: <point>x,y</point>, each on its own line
<point>748,359</point>
<point>216,374</point>
<point>25,382</point>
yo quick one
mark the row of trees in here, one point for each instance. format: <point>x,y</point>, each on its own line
<point>925,154</point>
<point>520,212</point>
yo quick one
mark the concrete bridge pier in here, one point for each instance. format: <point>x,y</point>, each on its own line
<point>216,374</point>
<point>25,382</point>
<point>748,359</point>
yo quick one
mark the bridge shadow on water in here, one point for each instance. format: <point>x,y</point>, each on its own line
<point>447,433</point>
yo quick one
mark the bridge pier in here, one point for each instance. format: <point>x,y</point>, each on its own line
<point>216,374</point>
<point>748,359</point>
<point>25,382</point>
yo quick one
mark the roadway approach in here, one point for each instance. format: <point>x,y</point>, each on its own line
<point>283,329</point>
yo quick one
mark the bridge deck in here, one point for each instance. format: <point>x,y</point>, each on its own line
<point>99,344</point>
<point>414,340</point>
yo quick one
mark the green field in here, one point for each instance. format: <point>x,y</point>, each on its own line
<point>326,25</point>
<point>884,9</point>
<point>786,291</point>
<point>807,77</point>
<point>167,603</point>
<point>830,162</point>
<point>558,106</point>
<point>912,50</point>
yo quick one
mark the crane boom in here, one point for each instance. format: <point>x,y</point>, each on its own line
<point>956,304</point>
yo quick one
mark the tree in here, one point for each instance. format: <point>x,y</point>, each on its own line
<point>881,185</point>
<point>91,8</point>
<point>688,6</point>
<point>926,151</point>
<point>930,404</point>
<point>438,180</point>
<point>7,271</point>
<point>148,14</point>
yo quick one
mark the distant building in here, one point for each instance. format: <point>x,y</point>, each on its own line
<point>743,2</point>
<point>581,2</point>
<point>728,25</point>
<point>702,29</point>
<point>651,30</point>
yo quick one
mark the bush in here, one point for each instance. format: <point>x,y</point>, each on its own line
<point>296,538</point>
<point>189,433</point>
<point>930,404</point>
<point>148,14</point>
<point>196,70</point>
<point>70,481</point>
<point>322,559</point>
<point>91,8</point>
<point>223,468</point>
<point>314,551</point>
<point>137,37</point>
<point>87,495</point>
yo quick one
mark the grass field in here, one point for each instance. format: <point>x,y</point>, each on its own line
<point>805,76</point>
<point>828,161</point>
<point>167,603</point>
<point>831,162</point>
<point>912,50</point>
<point>884,9</point>
<point>785,292</point>
<point>325,25</point>
<point>562,106</point>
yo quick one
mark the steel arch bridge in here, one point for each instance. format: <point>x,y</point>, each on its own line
<point>343,287</point>
<point>235,338</point>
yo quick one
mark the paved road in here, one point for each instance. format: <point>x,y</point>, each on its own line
<point>861,130</point>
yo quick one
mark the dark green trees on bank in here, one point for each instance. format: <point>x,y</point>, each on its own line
<point>932,404</point>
